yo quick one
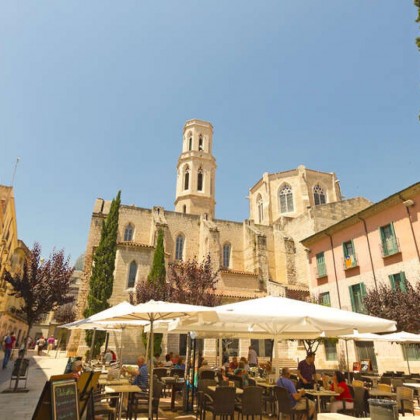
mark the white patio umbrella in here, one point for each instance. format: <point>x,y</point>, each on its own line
<point>283,318</point>
<point>95,322</point>
<point>153,311</point>
<point>402,338</point>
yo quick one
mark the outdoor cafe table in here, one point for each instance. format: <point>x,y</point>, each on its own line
<point>371,378</point>
<point>320,394</point>
<point>239,391</point>
<point>412,385</point>
<point>110,382</point>
<point>172,381</point>
<point>122,389</point>
<point>377,393</point>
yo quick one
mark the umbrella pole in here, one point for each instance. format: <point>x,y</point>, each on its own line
<point>92,344</point>
<point>406,357</point>
<point>276,358</point>
<point>194,351</point>
<point>121,347</point>
<point>347,357</point>
<point>147,346</point>
<point>106,341</point>
<point>151,371</point>
<point>221,352</point>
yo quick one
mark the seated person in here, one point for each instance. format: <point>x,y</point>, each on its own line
<point>168,362</point>
<point>180,364</point>
<point>108,357</point>
<point>297,399</point>
<point>141,375</point>
<point>76,369</point>
<point>339,385</point>
<point>233,364</point>
<point>245,361</point>
<point>156,361</point>
<point>204,366</point>
<point>243,373</point>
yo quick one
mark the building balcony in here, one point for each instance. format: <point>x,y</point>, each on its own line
<point>350,262</point>
<point>390,246</point>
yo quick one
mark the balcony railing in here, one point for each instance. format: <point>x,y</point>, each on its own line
<point>350,262</point>
<point>390,246</point>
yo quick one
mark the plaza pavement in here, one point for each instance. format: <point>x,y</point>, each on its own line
<point>21,406</point>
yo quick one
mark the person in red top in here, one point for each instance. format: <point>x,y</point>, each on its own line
<point>339,385</point>
<point>8,345</point>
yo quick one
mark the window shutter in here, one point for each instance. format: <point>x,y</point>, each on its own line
<point>391,279</point>
<point>403,283</point>
<point>353,306</point>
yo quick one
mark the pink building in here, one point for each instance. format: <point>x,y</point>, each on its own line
<point>379,244</point>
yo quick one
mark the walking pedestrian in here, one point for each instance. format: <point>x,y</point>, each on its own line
<point>8,345</point>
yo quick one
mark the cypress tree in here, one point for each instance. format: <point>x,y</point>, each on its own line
<point>157,275</point>
<point>102,278</point>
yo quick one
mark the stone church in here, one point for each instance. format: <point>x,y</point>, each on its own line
<point>258,256</point>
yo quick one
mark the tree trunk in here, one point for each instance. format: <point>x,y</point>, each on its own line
<point>22,356</point>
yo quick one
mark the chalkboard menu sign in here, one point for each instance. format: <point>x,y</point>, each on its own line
<point>65,401</point>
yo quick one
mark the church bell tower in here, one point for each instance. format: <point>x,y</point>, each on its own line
<point>196,170</point>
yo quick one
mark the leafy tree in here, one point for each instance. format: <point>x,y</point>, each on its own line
<point>194,283</point>
<point>396,304</point>
<point>187,282</point>
<point>65,313</point>
<point>102,278</point>
<point>43,285</point>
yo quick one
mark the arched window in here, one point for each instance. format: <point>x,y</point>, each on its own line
<point>200,180</point>
<point>184,208</point>
<point>226,255</point>
<point>200,143</point>
<point>260,209</point>
<point>319,195</point>
<point>286,199</point>
<point>189,141</point>
<point>132,273</point>
<point>179,247</point>
<point>187,178</point>
<point>128,233</point>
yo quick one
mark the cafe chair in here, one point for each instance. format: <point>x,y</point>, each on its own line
<point>177,372</point>
<point>396,382</point>
<point>283,404</point>
<point>357,383</point>
<point>386,380</point>
<point>105,404</point>
<point>384,387</point>
<point>161,372</point>
<point>201,391</point>
<point>405,397</point>
<point>238,381</point>
<point>360,401</point>
<point>222,403</point>
<point>346,409</point>
<point>139,402</point>
<point>206,374</point>
<point>250,403</point>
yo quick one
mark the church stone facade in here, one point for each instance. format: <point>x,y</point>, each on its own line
<point>258,256</point>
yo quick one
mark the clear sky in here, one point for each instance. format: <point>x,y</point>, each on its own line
<point>94,95</point>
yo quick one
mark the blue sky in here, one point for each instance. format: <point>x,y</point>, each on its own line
<point>94,95</point>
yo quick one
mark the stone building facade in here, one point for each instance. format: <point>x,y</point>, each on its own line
<point>12,256</point>
<point>256,256</point>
